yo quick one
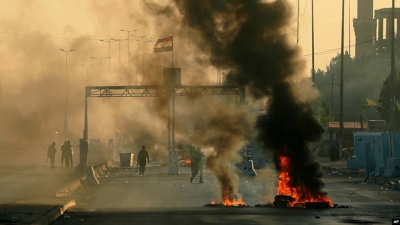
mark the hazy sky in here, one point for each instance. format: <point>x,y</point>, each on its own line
<point>104,19</point>
<point>327,27</point>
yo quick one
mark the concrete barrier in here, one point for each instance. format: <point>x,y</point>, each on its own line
<point>90,178</point>
<point>54,214</point>
<point>71,187</point>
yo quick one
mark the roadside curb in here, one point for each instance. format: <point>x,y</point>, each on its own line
<point>54,214</point>
<point>343,171</point>
<point>393,182</point>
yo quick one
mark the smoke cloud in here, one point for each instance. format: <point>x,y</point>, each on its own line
<point>250,39</point>
<point>246,39</point>
<point>33,70</point>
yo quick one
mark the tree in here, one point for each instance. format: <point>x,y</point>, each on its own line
<point>385,100</point>
<point>362,79</point>
<point>325,115</point>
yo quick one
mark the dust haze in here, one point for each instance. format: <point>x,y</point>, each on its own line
<point>249,40</point>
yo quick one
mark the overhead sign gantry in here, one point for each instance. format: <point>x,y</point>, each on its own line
<point>168,92</point>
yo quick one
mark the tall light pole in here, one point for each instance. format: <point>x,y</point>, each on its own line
<point>129,52</point>
<point>312,38</point>
<point>87,72</point>
<point>137,54</point>
<point>66,92</point>
<point>341,87</point>
<point>109,58</point>
<point>144,42</point>
<point>392,74</point>
<point>119,54</point>
<point>298,15</point>
<point>100,64</point>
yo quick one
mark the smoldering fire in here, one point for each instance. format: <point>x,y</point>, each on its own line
<point>251,39</point>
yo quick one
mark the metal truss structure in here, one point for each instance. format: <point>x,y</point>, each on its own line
<point>168,92</point>
<point>159,91</point>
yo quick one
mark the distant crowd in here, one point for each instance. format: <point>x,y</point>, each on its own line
<point>66,155</point>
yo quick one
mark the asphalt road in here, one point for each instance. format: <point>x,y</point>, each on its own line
<point>157,198</point>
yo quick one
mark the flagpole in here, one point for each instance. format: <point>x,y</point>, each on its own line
<point>172,63</point>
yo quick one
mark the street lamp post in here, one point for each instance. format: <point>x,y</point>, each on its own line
<point>129,53</point>
<point>392,73</point>
<point>119,54</point>
<point>137,54</point>
<point>87,72</point>
<point>109,58</point>
<point>100,64</point>
<point>66,92</point>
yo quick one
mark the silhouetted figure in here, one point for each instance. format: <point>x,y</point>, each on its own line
<point>142,156</point>
<point>70,153</point>
<point>64,154</point>
<point>196,164</point>
<point>51,154</point>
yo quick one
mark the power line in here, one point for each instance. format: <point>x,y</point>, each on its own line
<point>11,67</point>
<point>336,49</point>
<point>304,9</point>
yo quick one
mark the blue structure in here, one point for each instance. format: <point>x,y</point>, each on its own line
<point>360,140</point>
<point>377,152</point>
<point>393,163</point>
<point>396,145</point>
<point>380,152</point>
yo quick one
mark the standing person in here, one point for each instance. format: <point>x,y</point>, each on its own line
<point>63,153</point>
<point>67,149</point>
<point>201,165</point>
<point>70,153</point>
<point>51,154</point>
<point>197,164</point>
<point>142,156</point>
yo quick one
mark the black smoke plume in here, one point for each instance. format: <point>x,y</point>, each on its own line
<point>250,39</point>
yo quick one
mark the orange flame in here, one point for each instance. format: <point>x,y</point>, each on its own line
<point>300,194</point>
<point>228,200</point>
<point>188,162</point>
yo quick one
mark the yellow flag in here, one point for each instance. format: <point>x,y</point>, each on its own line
<point>371,103</point>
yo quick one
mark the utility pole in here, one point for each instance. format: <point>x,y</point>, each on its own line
<point>119,54</point>
<point>137,55</point>
<point>392,74</point>
<point>332,94</point>
<point>109,58</point>
<point>349,31</point>
<point>312,22</point>
<point>341,87</point>
<point>66,92</point>
<point>129,53</point>
<point>298,15</point>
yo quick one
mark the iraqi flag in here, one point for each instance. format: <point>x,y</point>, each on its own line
<point>164,45</point>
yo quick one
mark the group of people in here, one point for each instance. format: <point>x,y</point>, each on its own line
<point>196,157</point>
<point>143,158</point>
<point>66,154</point>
